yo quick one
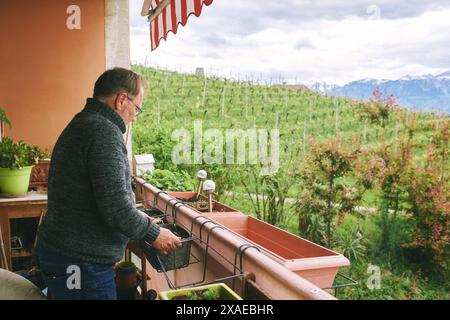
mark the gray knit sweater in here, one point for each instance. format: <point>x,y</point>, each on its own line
<point>91,214</point>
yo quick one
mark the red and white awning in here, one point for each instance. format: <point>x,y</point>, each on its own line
<point>167,15</point>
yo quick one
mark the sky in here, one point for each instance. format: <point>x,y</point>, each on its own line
<point>304,41</point>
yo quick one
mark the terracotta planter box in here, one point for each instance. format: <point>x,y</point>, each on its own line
<point>271,268</point>
<point>309,260</point>
<point>217,206</point>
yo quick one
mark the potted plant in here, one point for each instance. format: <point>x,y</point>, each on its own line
<point>126,280</point>
<point>176,259</point>
<point>196,203</point>
<point>155,215</point>
<point>216,291</point>
<point>16,163</point>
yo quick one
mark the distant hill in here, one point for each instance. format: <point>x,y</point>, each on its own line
<point>424,93</point>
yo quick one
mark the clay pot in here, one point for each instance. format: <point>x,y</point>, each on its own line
<point>39,174</point>
<point>126,281</point>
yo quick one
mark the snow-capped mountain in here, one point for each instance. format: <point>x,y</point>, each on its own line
<point>445,75</point>
<point>426,93</point>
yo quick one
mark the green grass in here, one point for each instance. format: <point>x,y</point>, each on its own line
<point>404,285</point>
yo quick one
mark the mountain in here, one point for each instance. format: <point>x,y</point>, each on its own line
<point>323,87</point>
<point>424,93</point>
<point>445,75</point>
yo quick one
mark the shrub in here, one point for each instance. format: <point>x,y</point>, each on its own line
<point>429,198</point>
<point>387,168</point>
<point>350,243</point>
<point>325,191</point>
<point>377,110</point>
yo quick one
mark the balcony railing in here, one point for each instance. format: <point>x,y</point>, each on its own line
<point>255,259</point>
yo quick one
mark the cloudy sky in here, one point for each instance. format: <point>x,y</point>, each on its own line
<point>305,41</point>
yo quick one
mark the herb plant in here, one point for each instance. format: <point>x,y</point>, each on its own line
<point>168,180</point>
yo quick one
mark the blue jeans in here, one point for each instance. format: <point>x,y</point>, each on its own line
<point>71,279</point>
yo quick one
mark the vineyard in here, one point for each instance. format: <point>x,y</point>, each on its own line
<point>370,180</point>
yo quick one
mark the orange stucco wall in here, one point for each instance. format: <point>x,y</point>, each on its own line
<point>46,70</point>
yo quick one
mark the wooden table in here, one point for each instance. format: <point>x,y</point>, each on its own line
<point>31,206</point>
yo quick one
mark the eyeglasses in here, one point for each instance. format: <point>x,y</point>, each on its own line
<point>138,110</point>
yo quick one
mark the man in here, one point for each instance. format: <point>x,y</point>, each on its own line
<point>91,212</point>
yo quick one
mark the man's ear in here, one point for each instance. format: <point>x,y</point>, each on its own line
<point>120,101</point>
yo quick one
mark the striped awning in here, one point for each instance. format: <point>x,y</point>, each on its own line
<point>167,15</point>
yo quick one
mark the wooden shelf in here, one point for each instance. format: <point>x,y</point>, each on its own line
<point>20,253</point>
<point>34,205</point>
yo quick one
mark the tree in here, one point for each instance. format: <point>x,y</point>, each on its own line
<point>377,110</point>
<point>429,201</point>
<point>325,190</point>
<point>386,169</point>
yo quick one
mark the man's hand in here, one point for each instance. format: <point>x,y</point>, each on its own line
<point>166,242</point>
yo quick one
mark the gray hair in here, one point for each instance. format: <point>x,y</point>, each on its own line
<point>112,81</point>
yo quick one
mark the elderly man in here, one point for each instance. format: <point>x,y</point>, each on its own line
<point>91,212</point>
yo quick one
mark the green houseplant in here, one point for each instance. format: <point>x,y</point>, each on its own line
<point>16,163</point>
